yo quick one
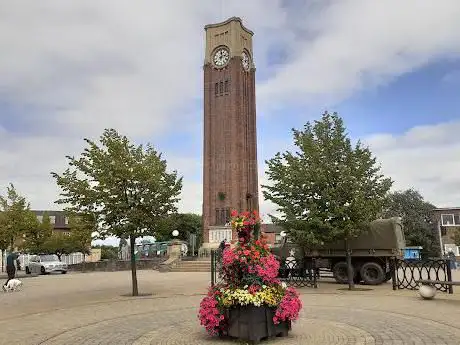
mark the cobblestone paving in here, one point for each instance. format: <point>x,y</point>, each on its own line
<point>317,326</point>
<point>329,316</point>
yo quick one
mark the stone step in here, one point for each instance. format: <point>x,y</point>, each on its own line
<point>192,266</point>
<point>185,269</point>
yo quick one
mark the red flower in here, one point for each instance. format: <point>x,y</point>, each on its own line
<point>234,213</point>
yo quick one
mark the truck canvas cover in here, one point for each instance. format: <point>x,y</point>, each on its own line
<point>383,234</point>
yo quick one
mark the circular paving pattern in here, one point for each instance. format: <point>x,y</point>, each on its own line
<point>317,326</point>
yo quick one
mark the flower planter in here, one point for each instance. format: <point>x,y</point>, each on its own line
<point>251,323</point>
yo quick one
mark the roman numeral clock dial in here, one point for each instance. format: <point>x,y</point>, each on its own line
<point>246,61</point>
<point>221,57</point>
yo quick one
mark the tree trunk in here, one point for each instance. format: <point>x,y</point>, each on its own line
<point>132,244</point>
<point>1,251</point>
<point>351,283</point>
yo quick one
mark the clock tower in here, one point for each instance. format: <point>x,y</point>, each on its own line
<point>230,174</point>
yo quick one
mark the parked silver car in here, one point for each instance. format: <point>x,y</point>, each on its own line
<point>45,264</point>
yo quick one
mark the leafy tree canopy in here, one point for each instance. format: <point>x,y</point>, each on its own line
<point>416,216</point>
<point>328,188</point>
<point>16,217</point>
<point>60,244</point>
<point>185,223</point>
<point>108,252</point>
<point>126,187</point>
<point>82,228</point>
<point>36,237</point>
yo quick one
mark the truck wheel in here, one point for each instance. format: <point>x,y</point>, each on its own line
<point>340,273</point>
<point>372,273</point>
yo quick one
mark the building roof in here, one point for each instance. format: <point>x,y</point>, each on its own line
<point>271,228</point>
<point>447,209</point>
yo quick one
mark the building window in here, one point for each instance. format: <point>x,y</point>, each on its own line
<point>66,220</point>
<point>222,216</point>
<point>216,89</point>
<point>447,220</point>
<point>226,86</point>
<point>457,219</point>
<point>53,219</point>
<point>221,87</point>
<point>40,219</point>
<point>278,238</point>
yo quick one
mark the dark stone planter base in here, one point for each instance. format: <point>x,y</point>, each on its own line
<point>251,323</point>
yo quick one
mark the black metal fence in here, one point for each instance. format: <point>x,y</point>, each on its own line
<point>406,273</point>
<point>294,272</point>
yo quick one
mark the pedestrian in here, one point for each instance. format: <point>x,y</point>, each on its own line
<point>10,268</point>
<point>222,245</point>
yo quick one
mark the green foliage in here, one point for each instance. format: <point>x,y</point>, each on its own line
<point>60,244</point>
<point>125,187</point>
<point>416,216</point>
<point>328,188</point>
<point>108,252</point>
<point>185,223</point>
<point>16,218</point>
<point>35,237</point>
<point>81,229</point>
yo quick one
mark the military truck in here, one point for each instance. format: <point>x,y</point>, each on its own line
<point>371,253</point>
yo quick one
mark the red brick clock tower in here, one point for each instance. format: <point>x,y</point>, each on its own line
<point>230,175</point>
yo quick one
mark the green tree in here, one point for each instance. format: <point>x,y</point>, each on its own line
<point>107,252</point>
<point>126,187</point>
<point>82,228</point>
<point>328,189</point>
<point>17,218</point>
<point>416,216</point>
<point>35,237</point>
<point>60,244</point>
<point>186,223</point>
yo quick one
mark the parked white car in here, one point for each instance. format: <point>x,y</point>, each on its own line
<point>45,264</point>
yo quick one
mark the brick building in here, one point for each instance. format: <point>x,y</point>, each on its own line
<point>58,220</point>
<point>230,174</point>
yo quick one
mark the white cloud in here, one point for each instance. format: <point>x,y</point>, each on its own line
<point>70,69</point>
<point>425,158</point>
<point>359,43</point>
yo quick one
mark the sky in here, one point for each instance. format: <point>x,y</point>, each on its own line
<point>69,69</point>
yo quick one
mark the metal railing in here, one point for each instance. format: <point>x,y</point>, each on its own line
<point>406,273</point>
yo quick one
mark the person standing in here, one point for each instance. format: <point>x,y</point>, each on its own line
<point>222,245</point>
<point>10,268</point>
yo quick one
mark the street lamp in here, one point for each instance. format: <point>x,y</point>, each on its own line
<point>175,233</point>
<point>283,233</point>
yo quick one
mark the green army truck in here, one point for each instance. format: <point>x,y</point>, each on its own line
<point>371,253</point>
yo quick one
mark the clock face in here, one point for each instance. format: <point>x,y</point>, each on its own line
<point>246,61</point>
<point>221,57</point>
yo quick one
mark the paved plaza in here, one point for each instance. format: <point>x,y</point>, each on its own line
<point>92,308</point>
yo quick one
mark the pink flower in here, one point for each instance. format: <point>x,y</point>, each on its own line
<point>268,268</point>
<point>209,315</point>
<point>289,307</point>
